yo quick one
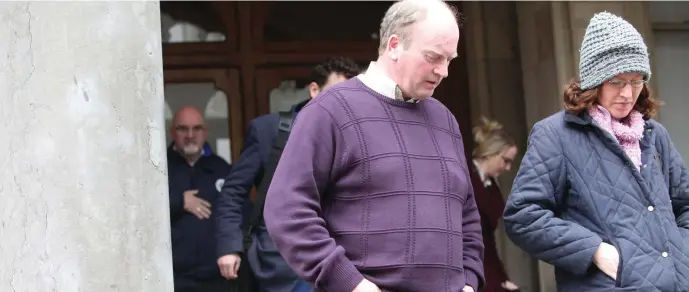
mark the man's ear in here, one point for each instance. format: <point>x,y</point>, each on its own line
<point>395,47</point>
<point>314,89</point>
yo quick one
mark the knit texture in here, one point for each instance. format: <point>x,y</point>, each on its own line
<point>370,186</point>
<point>611,46</point>
<point>628,132</point>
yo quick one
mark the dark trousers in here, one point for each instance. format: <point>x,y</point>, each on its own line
<point>209,285</point>
<point>246,281</point>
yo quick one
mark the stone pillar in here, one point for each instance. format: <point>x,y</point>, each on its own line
<point>83,166</point>
<point>550,35</point>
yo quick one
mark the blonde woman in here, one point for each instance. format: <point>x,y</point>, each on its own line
<point>494,152</point>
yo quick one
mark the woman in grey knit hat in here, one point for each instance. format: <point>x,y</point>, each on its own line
<point>602,194</point>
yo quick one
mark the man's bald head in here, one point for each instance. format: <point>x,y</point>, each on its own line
<point>406,13</point>
<point>189,131</point>
<point>188,112</point>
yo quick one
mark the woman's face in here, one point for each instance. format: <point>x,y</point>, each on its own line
<point>619,94</point>
<point>499,163</point>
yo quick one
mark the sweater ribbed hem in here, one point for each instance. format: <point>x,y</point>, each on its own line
<point>343,277</point>
<point>471,280</point>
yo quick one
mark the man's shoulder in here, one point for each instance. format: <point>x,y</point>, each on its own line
<point>265,120</point>
<point>435,105</point>
<point>217,161</point>
<point>438,115</point>
<point>340,101</point>
<point>215,164</point>
<point>349,90</point>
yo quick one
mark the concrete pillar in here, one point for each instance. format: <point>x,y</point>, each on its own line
<point>83,165</point>
<point>550,35</point>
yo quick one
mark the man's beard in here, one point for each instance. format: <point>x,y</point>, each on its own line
<point>190,149</point>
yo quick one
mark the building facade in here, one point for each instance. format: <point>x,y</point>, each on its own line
<point>85,97</point>
<point>515,58</point>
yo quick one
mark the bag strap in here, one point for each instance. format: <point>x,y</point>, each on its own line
<point>284,128</point>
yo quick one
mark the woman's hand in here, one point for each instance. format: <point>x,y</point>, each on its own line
<point>607,259</point>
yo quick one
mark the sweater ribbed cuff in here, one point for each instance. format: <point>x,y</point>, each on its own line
<point>342,277</point>
<point>471,279</point>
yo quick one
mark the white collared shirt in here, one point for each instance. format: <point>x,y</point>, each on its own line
<point>377,80</point>
<point>486,181</point>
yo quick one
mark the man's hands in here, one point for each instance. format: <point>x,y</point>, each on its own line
<point>607,258</point>
<point>468,288</point>
<point>199,207</point>
<point>229,265</point>
<point>366,286</point>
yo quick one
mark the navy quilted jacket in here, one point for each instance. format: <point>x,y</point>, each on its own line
<point>577,188</point>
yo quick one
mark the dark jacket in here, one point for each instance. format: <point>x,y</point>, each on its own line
<point>193,240</point>
<point>577,188</point>
<point>272,272</point>
<point>490,205</point>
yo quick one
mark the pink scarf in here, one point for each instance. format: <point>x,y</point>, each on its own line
<point>627,132</point>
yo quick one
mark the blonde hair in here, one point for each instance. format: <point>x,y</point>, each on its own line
<point>490,139</point>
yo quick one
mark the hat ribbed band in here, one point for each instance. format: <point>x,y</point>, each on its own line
<point>606,66</point>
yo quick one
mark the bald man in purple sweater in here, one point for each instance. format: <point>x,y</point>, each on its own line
<point>372,192</point>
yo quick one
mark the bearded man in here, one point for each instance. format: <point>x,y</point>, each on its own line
<point>195,177</point>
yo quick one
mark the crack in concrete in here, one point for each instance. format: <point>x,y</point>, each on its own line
<point>16,179</point>
<point>21,249</point>
<point>45,231</point>
<point>33,67</point>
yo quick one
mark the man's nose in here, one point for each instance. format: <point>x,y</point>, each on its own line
<point>442,70</point>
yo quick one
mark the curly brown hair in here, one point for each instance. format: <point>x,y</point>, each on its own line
<point>339,65</point>
<point>577,101</point>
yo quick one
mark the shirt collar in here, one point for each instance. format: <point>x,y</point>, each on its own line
<point>486,181</point>
<point>377,80</point>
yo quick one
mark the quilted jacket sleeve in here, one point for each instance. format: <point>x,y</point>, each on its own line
<point>529,215</point>
<point>678,182</point>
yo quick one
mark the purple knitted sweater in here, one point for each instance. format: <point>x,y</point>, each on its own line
<point>373,187</point>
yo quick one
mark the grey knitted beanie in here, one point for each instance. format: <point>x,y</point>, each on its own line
<point>611,46</point>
